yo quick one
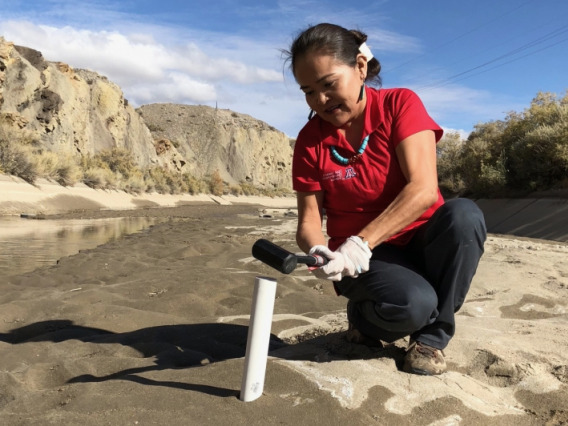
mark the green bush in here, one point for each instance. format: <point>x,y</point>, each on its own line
<point>527,151</point>
<point>540,157</point>
<point>449,152</point>
<point>537,143</point>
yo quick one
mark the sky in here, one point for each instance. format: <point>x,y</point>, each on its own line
<point>470,62</point>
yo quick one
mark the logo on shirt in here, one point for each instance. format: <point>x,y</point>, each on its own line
<point>350,173</point>
<point>338,174</point>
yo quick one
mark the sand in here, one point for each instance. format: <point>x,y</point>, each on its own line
<point>151,330</point>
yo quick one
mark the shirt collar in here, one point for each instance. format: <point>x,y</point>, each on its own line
<point>374,117</point>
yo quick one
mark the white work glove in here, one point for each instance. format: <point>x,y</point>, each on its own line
<point>331,270</point>
<point>356,255</point>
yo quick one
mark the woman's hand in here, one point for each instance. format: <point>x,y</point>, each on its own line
<point>356,254</point>
<point>333,269</point>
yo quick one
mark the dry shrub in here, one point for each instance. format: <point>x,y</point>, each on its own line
<point>61,168</point>
<point>194,185</point>
<point>216,184</point>
<point>156,180</point>
<point>113,169</point>
<point>249,189</point>
<point>236,190</point>
<point>17,160</point>
<point>99,178</point>
<point>135,184</point>
<point>119,160</point>
<point>16,153</point>
<point>276,192</point>
<point>21,155</point>
<point>68,173</point>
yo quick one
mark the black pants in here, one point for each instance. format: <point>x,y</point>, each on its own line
<point>415,290</point>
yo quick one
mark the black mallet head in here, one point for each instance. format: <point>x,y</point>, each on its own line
<point>274,256</point>
<point>281,259</point>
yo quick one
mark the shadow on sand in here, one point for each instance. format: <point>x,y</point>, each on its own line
<point>188,346</point>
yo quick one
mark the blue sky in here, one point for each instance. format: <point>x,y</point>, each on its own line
<point>470,62</point>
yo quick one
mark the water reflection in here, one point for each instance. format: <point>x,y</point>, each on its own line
<point>28,244</point>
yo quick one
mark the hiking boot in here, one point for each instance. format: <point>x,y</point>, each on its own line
<point>423,359</point>
<point>355,336</point>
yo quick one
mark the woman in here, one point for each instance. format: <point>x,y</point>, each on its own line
<point>367,158</point>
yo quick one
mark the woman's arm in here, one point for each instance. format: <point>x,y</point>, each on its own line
<point>309,232</point>
<point>417,158</point>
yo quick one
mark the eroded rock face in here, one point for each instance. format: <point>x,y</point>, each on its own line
<point>68,110</point>
<point>81,112</point>
<point>239,147</point>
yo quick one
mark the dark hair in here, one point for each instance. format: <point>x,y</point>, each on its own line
<point>330,39</point>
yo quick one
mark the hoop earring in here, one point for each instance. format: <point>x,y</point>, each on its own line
<point>311,114</point>
<point>362,92</point>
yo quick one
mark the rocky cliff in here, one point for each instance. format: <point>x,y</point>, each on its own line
<point>81,112</point>
<point>68,110</point>
<point>239,147</point>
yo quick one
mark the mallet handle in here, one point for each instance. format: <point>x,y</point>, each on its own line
<point>312,260</point>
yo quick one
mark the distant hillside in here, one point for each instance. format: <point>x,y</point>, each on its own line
<point>238,146</point>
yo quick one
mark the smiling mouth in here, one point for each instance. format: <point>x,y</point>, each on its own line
<point>333,109</point>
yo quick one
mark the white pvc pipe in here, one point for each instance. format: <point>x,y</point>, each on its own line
<point>258,339</point>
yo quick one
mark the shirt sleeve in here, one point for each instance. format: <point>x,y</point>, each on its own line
<point>410,117</point>
<point>305,170</point>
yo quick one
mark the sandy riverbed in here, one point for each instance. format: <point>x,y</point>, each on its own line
<point>151,329</point>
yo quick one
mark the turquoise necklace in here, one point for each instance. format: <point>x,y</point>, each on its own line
<point>354,158</point>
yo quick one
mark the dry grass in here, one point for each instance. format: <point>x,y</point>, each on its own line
<point>21,155</point>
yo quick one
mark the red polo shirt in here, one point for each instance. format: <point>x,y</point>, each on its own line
<point>355,194</point>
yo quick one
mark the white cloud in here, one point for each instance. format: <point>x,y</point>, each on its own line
<point>135,56</point>
<point>388,41</point>
<point>175,88</point>
<point>138,61</point>
<point>454,104</point>
<point>153,63</point>
<point>107,52</point>
<point>196,62</point>
<point>275,104</point>
<point>453,98</point>
<point>463,134</point>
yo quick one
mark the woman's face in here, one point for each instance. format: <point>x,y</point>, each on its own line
<point>331,87</point>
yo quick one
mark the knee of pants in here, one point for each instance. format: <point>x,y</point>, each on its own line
<point>465,213</point>
<point>409,317</point>
<point>457,222</point>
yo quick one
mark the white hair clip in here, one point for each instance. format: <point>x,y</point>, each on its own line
<point>364,49</point>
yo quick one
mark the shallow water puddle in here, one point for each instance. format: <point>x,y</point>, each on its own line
<point>27,244</point>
